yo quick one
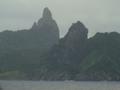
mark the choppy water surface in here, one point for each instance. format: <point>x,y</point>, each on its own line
<point>65,85</point>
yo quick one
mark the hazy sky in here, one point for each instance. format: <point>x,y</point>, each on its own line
<point>97,15</point>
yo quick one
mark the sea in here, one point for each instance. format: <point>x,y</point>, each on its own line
<point>59,85</point>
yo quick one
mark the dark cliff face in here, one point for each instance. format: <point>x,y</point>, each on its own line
<point>77,32</point>
<point>77,35</point>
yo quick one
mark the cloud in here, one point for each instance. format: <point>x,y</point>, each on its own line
<point>97,15</point>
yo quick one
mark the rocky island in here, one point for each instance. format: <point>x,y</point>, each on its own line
<point>40,54</point>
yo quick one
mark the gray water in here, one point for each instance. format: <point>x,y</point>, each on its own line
<point>63,85</point>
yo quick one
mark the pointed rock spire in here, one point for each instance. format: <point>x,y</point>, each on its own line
<point>47,27</point>
<point>46,17</point>
<point>47,13</point>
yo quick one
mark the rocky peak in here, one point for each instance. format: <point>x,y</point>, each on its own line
<point>77,33</point>
<point>47,26</point>
<point>47,13</point>
<point>46,18</point>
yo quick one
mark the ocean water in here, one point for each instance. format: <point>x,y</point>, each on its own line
<point>60,85</point>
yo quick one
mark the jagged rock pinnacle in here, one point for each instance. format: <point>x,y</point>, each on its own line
<point>46,17</point>
<point>47,13</point>
<point>47,26</point>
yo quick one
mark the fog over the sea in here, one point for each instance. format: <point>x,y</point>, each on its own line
<point>97,15</point>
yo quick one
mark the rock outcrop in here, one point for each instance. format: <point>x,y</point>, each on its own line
<point>47,27</point>
<point>76,36</point>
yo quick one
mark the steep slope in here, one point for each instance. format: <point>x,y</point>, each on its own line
<point>103,60</point>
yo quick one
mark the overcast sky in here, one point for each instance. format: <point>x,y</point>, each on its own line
<point>97,15</point>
